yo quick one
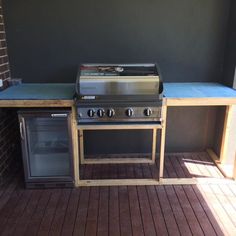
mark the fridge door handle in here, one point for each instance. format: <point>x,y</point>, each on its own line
<point>59,115</point>
<point>21,130</point>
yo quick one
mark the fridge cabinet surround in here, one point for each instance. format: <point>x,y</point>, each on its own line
<point>47,150</point>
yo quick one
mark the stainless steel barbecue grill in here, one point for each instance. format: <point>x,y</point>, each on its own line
<point>111,93</point>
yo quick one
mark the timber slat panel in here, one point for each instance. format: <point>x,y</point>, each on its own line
<point>178,212</point>
<point>6,193</point>
<point>178,168</point>
<point>70,216</point>
<point>36,218</point>
<point>103,215</point>
<point>170,169</point>
<point>157,212</point>
<point>146,171</point>
<point>59,216</point>
<point>226,205</point>
<point>92,217</point>
<point>22,223</point>
<point>122,173</point>
<point>138,172</point>
<point>7,183</point>
<point>213,170</point>
<point>81,217</point>
<point>225,190</point>
<point>147,218</point>
<point>189,213</point>
<point>201,202</point>
<point>201,211</point>
<point>178,161</point>
<point>10,205</point>
<point>130,171</point>
<point>114,216</point>
<point>17,213</point>
<point>136,219</point>
<point>124,209</point>
<point>49,213</point>
<point>167,211</point>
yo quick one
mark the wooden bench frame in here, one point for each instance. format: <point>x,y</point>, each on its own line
<point>230,104</point>
<point>110,182</point>
<point>83,160</point>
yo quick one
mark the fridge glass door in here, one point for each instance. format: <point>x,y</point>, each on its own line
<point>48,147</point>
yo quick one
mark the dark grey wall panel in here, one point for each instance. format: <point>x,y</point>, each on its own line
<point>190,128</point>
<point>48,39</point>
<point>229,69</point>
<point>136,141</point>
<point>219,129</point>
<point>230,52</point>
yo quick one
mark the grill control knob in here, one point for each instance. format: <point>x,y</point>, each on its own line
<point>147,111</point>
<point>110,112</point>
<point>129,112</point>
<point>100,112</point>
<point>91,112</point>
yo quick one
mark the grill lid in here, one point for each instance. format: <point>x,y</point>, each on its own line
<point>118,82</point>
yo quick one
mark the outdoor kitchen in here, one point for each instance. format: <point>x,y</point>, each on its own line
<point>117,118</point>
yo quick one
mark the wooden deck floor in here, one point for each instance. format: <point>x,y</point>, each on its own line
<point>184,165</point>
<point>135,210</point>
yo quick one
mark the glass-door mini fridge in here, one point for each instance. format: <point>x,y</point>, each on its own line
<point>47,148</point>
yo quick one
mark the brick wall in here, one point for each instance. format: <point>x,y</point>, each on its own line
<point>9,130</point>
<point>9,143</point>
<point>4,61</point>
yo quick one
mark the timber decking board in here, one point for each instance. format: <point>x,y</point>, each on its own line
<point>81,217</point>
<point>168,215</point>
<point>218,211</point>
<point>49,213</point>
<point>70,217</point>
<point>10,203</point>
<point>22,223</point>
<point>124,211</point>
<point>17,213</point>
<point>146,214</point>
<point>92,217</point>
<point>227,203</point>
<point>157,212</point>
<point>103,215</point>
<point>136,219</point>
<point>36,218</point>
<point>56,225</point>
<point>176,166</point>
<point>193,220</point>
<point>204,218</point>
<point>203,209</point>
<point>178,212</point>
<point>114,216</point>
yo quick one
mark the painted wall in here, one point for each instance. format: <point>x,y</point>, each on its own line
<point>230,52</point>
<point>48,39</point>
<point>228,72</point>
